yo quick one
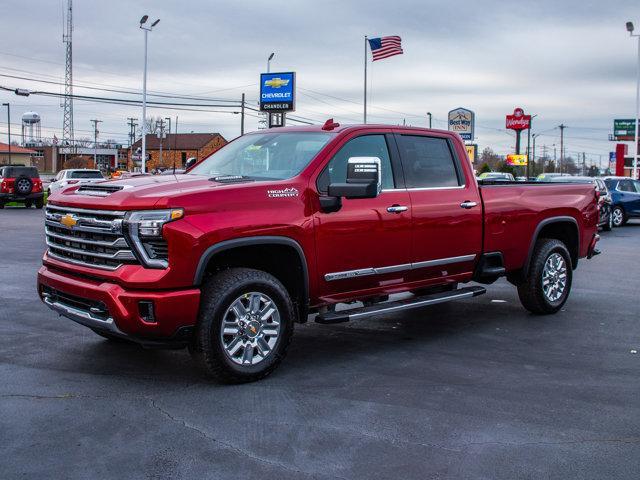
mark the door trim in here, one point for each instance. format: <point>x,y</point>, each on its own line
<point>365,272</point>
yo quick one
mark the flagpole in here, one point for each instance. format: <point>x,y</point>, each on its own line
<point>365,79</point>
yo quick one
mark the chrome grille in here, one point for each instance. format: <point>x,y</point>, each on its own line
<point>92,238</point>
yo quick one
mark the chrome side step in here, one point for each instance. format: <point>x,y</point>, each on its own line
<point>390,307</point>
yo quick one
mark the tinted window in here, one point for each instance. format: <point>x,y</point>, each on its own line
<point>427,162</point>
<point>85,174</point>
<point>14,172</point>
<point>365,146</point>
<point>636,186</point>
<point>626,186</point>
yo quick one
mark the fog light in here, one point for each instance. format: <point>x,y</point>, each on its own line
<point>147,314</point>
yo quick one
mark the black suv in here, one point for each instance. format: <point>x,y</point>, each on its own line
<point>20,184</point>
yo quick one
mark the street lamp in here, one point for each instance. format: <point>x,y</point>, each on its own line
<point>269,61</point>
<point>635,158</point>
<point>8,127</point>
<point>146,30</point>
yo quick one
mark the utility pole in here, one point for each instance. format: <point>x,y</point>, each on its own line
<point>168,136</point>
<point>562,127</point>
<point>132,130</point>
<point>160,135</point>
<point>242,116</point>
<point>584,164</point>
<point>555,161</point>
<point>429,115</point>
<point>544,156</point>
<point>95,141</point>
<point>8,127</point>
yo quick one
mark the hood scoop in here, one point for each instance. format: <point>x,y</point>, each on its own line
<point>98,190</point>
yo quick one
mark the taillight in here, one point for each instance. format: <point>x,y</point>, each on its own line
<point>7,185</point>
<point>37,185</point>
<point>4,188</point>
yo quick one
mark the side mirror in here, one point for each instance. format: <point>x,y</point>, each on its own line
<point>190,163</point>
<point>363,179</point>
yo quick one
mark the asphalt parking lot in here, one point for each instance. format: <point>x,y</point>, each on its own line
<point>472,389</point>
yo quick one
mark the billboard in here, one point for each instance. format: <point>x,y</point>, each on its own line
<point>278,92</point>
<point>624,129</point>
<point>462,121</point>
<point>518,120</point>
<point>517,160</point>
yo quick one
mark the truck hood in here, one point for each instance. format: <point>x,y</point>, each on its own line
<point>138,192</point>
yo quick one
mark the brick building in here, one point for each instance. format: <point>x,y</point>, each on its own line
<point>176,147</point>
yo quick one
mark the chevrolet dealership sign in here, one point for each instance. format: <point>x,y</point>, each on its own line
<point>278,92</point>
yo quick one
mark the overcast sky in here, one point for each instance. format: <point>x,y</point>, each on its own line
<point>569,62</point>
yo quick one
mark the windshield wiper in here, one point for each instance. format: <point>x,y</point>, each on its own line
<point>230,178</point>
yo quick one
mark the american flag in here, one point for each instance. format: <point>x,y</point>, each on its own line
<point>384,47</point>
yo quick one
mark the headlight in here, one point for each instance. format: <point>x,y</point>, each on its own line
<point>144,231</point>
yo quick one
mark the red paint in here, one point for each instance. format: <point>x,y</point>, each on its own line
<point>361,234</point>
<point>621,151</point>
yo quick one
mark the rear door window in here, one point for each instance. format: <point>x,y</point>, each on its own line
<point>626,186</point>
<point>428,162</point>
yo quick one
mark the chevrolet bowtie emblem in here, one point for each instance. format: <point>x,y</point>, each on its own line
<point>69,221</point>
<point>276,82</point>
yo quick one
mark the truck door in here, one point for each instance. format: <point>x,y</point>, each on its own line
<point>364,246</point>
<point>446,207</point>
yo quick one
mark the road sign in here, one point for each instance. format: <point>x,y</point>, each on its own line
<point>462,121</point>
<point>517,160</point>
<point>278,92</point>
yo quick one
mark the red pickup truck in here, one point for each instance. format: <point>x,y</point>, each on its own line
<point>282,225</point>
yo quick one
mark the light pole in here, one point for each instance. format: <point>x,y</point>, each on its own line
<point>529,143</point>
<point>269,62</point>
<point>635,158</point>
<point>429,115</point>
<point>8,127</point>
<point>146,30</point>
<point>533,154</point>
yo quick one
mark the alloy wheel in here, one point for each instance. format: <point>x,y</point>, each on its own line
<point>554,277</point>
<point>618,216</point>
<point>250,329</point>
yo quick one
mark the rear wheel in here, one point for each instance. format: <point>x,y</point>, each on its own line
<point>28,203</point>
<point>619,217</point>
<point>1,205</point>
<point>39,203</point>
<point>244,327</point>
<point>548,282</point>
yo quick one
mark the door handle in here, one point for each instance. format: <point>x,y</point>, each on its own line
<point>467,204</point>
<point>397,209</point>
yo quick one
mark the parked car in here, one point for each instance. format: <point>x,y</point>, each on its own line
<point>282,224</point>
<point>69,177</point>
<point>625,197</point>
<point>497,176</point>
<point>546,176</point>
<point>20,184</point>
<point>604,197</point>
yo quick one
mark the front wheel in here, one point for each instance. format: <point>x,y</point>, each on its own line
<point>548,282</point>
<point>244,327</point>
<point>619,218</point>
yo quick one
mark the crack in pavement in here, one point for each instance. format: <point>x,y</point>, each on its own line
<point>229,446</point>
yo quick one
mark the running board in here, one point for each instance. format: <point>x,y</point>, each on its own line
<point>389,307</point>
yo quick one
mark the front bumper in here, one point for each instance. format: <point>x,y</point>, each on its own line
<point>109,308</point>
<point>14,197</point>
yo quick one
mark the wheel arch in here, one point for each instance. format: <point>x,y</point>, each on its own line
<point>283,257</point>
<point>563,228</point>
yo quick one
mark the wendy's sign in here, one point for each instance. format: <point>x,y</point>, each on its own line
<point>518,121</point>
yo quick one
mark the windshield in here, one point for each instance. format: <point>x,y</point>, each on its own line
<point>264,156</point>
<point>86,174</point>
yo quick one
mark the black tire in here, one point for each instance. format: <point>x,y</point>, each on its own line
<point>1,205</point>
<point>23,185</point>
<point>219,293</point>
<point>607,227</point>
<point>28,203</point>
<point>39,203</point>
<point>531,291</point>
<point>618,213</point>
